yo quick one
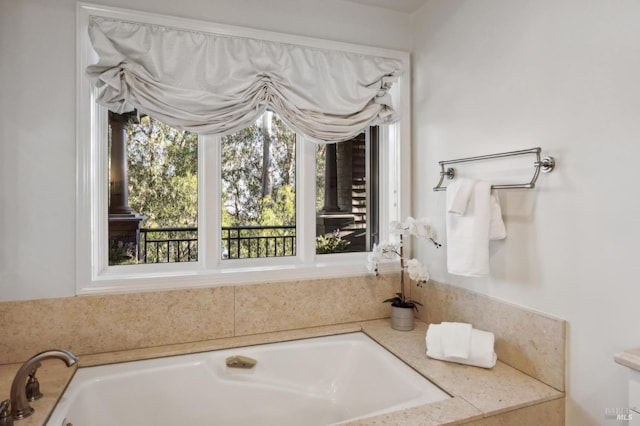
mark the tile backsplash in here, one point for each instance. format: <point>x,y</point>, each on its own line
<point>529,341</point>
<point>106,323</point>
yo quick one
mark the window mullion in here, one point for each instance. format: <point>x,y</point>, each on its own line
<point>389,179</point>
<point>209,199</point>
<point>305,200</point>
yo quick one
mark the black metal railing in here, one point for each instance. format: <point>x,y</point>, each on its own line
<point>163,245</point>
<point>167,245</point>
<point>246,242</point>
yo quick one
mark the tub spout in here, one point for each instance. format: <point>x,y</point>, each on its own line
<point>20,407</point>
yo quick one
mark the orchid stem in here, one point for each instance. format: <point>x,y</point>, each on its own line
<point>402,269</point>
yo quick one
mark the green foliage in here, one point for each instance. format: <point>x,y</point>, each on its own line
<point>163,170</point>
<point>257,171</point>
<point>284,151</point>
<point>247,199</point>
<point>401,301</point>
<point>241,171</point>
<point>163,174</point>
<point>331,243</point>
<point>258,189</point>
<point>122,253</point>
<point>279,209</point>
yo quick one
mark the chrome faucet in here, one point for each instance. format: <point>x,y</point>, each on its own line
<point>20,407</point>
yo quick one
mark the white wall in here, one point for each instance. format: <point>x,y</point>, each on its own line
<point>37,114</point>
<point>501,75</point>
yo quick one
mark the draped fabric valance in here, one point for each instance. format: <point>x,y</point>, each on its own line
<point>209,83</point>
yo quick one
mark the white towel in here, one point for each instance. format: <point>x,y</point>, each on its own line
<point>458,193</point>
<point>481,351</point>
<point>468,234</point>
<point>455,339</point>
<point>497,231</point>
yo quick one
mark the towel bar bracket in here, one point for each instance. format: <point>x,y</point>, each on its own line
<point>450,173</point>
<point>546,164</point>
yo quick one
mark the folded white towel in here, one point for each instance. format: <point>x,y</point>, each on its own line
<point>468,234</point>
<point>481,352</point>
<point>455,339</point>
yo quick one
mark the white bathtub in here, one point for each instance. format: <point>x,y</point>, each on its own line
<point>318,381</point>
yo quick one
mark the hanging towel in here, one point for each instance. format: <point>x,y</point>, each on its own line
<point>481,347</point>
<point>458,193</point>
<point>497,231</point>
<point>456,339</point>
<point>468,234</point>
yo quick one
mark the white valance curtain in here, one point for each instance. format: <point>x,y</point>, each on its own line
<point>216,84</point>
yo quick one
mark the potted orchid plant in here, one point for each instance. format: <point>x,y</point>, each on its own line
<point>402,308</point>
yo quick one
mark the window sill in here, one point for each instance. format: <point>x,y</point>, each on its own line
<point>174,276</point>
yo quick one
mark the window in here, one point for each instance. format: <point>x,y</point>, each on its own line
<point>346,194</point>
<point>258,176</point>
<point>153,192</point>
<point>217,251</point>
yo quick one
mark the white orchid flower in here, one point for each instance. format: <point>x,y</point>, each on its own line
<point>372,262</point>
<point>384,250</point>
<point>390,250</point>
<point>410,225</point>
<point>396,227</point>
<point>375,256</point>
<point>424,229</point>
<point>417,271</point>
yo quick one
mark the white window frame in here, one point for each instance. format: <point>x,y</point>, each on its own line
<point>94,275</point>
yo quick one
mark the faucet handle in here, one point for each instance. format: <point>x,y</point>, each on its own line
<point>6,419</point>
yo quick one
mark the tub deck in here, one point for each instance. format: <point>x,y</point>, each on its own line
<point>480,396</point>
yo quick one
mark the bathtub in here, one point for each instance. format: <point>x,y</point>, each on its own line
<point>317,381</point>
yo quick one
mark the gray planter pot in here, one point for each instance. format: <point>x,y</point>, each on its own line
<point>401,318</point>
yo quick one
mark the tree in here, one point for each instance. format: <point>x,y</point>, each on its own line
<point>267,170</point>
<point>258,174</point>
<point>321,151</point>
<point>284,152</point>
<point>241,171</point>
<point>163,174</point>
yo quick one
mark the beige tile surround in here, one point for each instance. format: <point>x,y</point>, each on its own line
<point>530,341</point>
<point>141,325</point>
<point>301,304</point>
<point>547,413</point>
<point>115,322</point>
<point>499,396</point>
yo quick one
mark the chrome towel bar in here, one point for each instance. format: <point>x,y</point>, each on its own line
<point>544,164</point>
